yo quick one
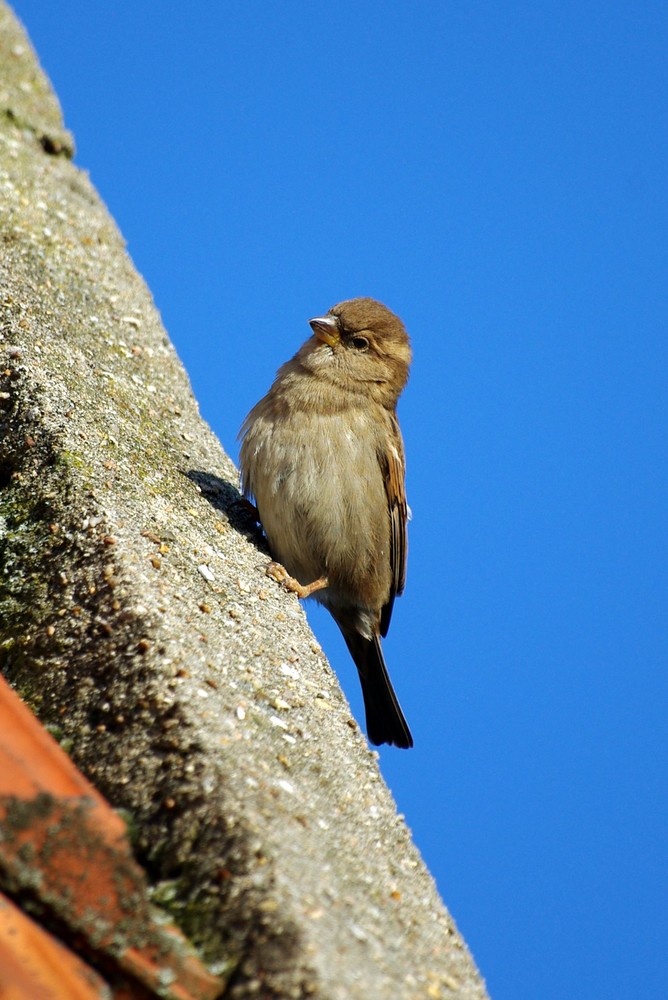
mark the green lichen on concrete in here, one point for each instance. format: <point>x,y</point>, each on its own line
<point>24,592</point>
<point>32,492</point>
<point>29,100</point>
<point>194,917</point>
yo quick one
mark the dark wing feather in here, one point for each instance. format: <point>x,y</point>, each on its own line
<point>393,467</point>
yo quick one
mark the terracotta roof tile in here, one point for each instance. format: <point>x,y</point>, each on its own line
<point>63,846</point>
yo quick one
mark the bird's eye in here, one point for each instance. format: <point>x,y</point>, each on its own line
<point>360,343</point>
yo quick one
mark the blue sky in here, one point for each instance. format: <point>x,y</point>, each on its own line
<point>497,174</point>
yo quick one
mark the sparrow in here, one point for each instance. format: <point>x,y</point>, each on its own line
<point>322,458</point>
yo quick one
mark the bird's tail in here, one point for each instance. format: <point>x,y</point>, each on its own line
<point>385,722</point>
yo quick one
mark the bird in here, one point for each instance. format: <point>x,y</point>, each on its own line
<point>322,459</point>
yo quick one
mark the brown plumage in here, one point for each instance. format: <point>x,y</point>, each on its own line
<point>323,458</point>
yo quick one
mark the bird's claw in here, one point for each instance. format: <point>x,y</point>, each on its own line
<point>279,573</point>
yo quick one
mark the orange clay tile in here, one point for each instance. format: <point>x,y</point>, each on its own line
<point>34,966</point>
<point>62,845</point>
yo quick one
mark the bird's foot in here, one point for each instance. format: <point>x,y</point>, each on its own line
<point>281,575</point>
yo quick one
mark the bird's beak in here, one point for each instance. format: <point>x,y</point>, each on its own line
<point>326,329</point>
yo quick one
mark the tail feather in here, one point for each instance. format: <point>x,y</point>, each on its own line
<point>385,722</point>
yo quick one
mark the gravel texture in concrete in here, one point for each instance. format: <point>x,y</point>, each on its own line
<point>136,619</point>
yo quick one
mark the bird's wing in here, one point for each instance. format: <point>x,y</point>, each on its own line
<point>393,467</point>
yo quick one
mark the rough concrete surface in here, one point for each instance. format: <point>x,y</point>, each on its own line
<point>136,619</point>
